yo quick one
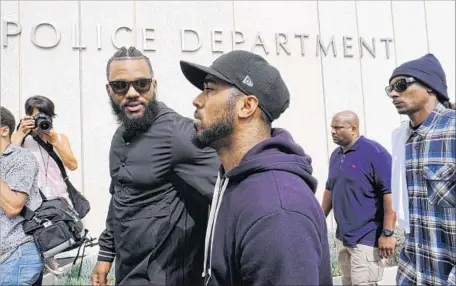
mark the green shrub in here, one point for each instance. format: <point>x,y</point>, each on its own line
<point>335,245</point>
<point>71,278</point>
<point>400,242</point>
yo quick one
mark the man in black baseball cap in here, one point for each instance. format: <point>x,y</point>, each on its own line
<point>249,73</point>
<point>265,224</point>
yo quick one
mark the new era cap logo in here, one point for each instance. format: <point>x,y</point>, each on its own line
<point>248,81</point>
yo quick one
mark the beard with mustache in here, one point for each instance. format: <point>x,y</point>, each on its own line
<point>136,125</point>
<point>218,134</point>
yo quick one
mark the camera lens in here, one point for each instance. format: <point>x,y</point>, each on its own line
<point>44,126</point>
<point>43,122</point>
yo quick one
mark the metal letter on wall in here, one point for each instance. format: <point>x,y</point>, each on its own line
<point>99,37</point>
<point>347,46</point>
<point>215,41</point>
<point>303,37</point>
<point>184,47</point>
<point>114,36</point>
<point>76,44</point>
<point>234,35</point>
<point>387,45</point>
<point>33,36</point>
<point>321,46</point>
<point>259,42</point>
<point>148,38</point>
<point>281,44</point>
<point>363,43</point>
<point>6,33</point>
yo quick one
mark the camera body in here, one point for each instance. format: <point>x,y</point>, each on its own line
<point>43,122</point>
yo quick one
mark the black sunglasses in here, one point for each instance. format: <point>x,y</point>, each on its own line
<point>400,85</point>
<point>141,85</point>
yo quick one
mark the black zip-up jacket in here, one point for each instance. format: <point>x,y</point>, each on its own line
<point>161,187</point>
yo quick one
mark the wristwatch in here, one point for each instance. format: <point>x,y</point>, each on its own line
<point>387,232</point>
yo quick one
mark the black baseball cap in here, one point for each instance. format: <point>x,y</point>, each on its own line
<point>250,73</point>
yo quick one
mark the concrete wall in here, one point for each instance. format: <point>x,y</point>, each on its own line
<point>320,85</point>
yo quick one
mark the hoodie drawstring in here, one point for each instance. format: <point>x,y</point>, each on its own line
<point>219,190</point>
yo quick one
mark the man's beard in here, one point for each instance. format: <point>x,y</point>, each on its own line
<point>218,134</point>
<point>140,124</point>
<point>406,110</point>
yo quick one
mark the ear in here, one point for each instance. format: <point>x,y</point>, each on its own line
<point>154,85</point>
<point>248,106</point>
<point>4,131</point>
<point>108,90</point>
<point>353,128</point>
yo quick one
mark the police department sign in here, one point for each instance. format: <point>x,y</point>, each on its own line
<point>191,41</point>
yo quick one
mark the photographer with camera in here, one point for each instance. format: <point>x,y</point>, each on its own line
<point>40,112</point>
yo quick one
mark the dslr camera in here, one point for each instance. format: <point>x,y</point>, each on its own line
<point>43,122</point>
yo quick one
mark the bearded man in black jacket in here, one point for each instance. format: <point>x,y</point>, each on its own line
<point>161,185</point>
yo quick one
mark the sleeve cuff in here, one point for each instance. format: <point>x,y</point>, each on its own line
<point>106,254</point>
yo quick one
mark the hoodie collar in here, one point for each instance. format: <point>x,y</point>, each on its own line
<point>254,152</point>
<point>278,153</point>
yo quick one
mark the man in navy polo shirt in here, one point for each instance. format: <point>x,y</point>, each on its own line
<point>359,190</point>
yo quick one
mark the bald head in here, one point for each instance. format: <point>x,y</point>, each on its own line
<point>345,128</point>
<point>348,117</point>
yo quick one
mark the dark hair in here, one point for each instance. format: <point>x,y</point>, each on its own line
<point>448,104</point>
<point>266,119</point>
<point>7,119</point>
<point>131,54</point>
<point>44,105</point>
<point>445,102</point>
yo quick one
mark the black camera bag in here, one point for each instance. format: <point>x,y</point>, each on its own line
<point>55,227</point>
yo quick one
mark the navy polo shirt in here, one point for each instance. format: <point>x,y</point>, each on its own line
<point>358,178</point>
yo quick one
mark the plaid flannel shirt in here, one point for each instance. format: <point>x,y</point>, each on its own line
<point>429,255</point>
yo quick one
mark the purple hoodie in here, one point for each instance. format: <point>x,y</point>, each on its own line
<point>270,228</point>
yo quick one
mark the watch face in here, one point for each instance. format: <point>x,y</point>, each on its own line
<point>388,232</point>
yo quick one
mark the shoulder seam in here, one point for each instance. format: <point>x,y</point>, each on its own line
<point>274,213</point>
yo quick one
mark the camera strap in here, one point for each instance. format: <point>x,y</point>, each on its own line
<point>28,214</point>
<point>50,149</point>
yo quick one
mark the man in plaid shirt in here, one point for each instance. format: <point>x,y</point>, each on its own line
<point>418,89</point>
